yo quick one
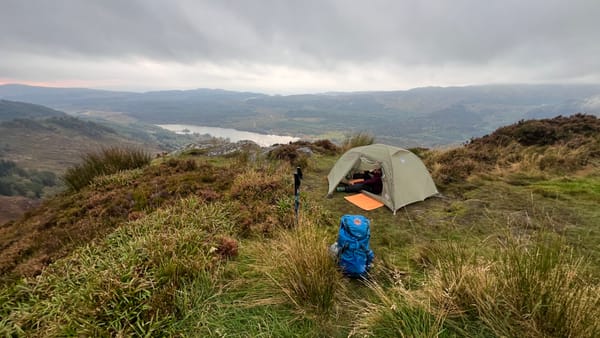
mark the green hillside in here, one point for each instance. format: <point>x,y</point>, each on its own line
<point>56,143</point>
<point>202,246</point>
<point>10,110</point>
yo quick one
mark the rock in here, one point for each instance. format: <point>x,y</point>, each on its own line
<point>217,147</point>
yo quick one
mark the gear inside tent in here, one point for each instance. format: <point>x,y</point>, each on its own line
<point>405,178</point>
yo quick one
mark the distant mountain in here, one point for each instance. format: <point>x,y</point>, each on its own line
<point>76,99</point>
<point>10,110</point>
<point>36,137</point>
<point>423,116</point>
<point>56,143</point>
<point>57,98</point>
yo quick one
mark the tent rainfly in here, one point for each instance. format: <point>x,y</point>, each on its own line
<point>405,178</point>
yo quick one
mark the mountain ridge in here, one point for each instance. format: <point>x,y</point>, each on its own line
<point>10,110</point>
<point>404,118</point>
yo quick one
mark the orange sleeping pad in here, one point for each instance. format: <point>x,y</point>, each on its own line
<point>363,201</point>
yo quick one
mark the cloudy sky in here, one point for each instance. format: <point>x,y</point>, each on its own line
<point>297,46</point>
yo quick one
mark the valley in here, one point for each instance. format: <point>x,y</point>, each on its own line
<point>36,137</point>
<point>429,117</point>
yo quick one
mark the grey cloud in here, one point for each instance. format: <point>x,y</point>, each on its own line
<point>311,34</point>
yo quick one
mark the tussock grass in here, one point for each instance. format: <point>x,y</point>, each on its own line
<point>563,159</point>
<point>128,285</point>
<point>301,268</point>
<point>458,165</point>
<point>562,145</point>
<point>104,162</point>
<point>357,140</point>
<point>533,287</point>
<point>120,178</point>
<point>521,286</point>
<point>543,160</point>
<point>396,312</point>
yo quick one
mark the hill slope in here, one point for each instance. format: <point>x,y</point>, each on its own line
<point>201,245</point>
<point>55,143</point>
<point>40,143</point>
<point>10,110</point>
<point>422,116</point>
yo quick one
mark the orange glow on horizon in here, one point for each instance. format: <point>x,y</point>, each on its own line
<point>51,84</point>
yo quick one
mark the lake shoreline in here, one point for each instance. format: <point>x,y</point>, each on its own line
<point>233,135</point>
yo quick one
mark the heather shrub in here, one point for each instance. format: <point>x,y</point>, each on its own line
<point>326,147</point>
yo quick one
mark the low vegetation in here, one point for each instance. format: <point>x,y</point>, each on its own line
<point>357,140</point>
<point>534,285</point>
<point>211,246</point>
<point>539,147</point>
<point>303,271</point>
<point>107,161</point>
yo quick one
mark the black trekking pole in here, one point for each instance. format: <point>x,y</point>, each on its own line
<point>297,181</point>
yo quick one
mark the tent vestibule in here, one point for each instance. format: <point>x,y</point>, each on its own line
<point>405,178</point>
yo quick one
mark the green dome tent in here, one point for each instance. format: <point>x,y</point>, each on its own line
<point>405,178</point>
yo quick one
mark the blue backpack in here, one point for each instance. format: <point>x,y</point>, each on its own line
<point>353,251</point>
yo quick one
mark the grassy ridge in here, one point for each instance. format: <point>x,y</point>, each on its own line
<point>217,252</point>
<point>107,161</point>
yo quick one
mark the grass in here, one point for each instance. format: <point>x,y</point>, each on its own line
<point>104,162</point>
<point>75,218</point>
<point>396,312</point>
<point>357,140</point>
<point>305,273</point>
<point>587,188</point>
<point>216,251</point>
<point>533,288</point>
<point>128,284</point>
<point>164,275</point>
